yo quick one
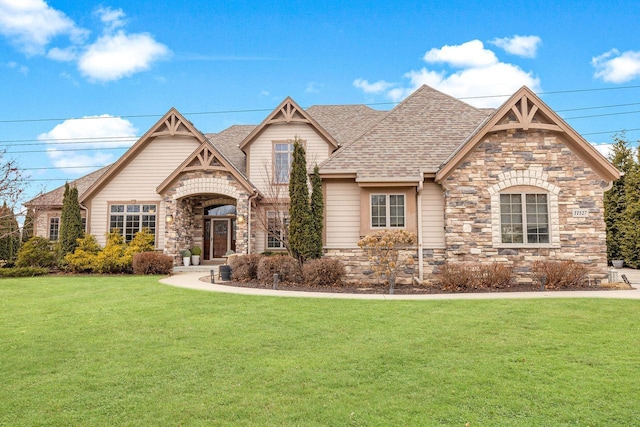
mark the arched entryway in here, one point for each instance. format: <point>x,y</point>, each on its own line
<point>219,230</point>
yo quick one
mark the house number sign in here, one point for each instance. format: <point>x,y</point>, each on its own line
<point>580,213</point>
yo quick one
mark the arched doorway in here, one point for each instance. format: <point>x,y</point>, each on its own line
<point>219,231</point>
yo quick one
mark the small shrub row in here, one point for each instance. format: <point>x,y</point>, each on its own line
<point>23,271</point>
<point>560,274</point>
<point>37,252</point>
<point>317,272</point>
<point>152,263</point>
<point>463,277</point>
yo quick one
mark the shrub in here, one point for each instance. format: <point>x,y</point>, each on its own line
<point>463,277</point>
<point>152,263</point>
<point>109,260</point>
<point>84,258</point>
<point>560,274</point>
<point>245,268</point>
<point>196,250</point>
<point>286,266</point>
<point>37,252</point>
<point>323,272</point>
<point>141,242</point>
<point>23,272</point>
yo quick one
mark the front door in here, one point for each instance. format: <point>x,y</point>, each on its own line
<point>220,237</point>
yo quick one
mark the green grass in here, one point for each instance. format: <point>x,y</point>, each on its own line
<point>130,351</point>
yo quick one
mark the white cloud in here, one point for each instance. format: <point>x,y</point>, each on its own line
<point>525,46</point>
<point>64,55</point>
<point>477,72</point>
<point>22,69</point>
<point>604,149</point>
<point>32,24</point>
<point>113,57</point>
<point>95,133</point>
<point>112,19</point>
<point>377,87</point>
<point>469,54</point>
<point>616,67</point>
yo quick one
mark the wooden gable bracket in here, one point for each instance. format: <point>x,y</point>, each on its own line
<point>172,126</point>
<point>205,160</point>
<point>527,116</point>
<point>289,113</point>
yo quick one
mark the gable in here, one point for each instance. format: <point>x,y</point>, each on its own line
<point>288,112</point>
<point>172,124</point>
<point>525,111</point>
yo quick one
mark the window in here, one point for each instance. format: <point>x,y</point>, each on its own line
<point>129,219</point>
<point>282,158</point>
<point>524,218</point>
<point>277,227</point>
<point>387,210</point>
<point>54,228</point>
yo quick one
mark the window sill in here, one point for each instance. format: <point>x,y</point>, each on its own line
<point>526,246</point>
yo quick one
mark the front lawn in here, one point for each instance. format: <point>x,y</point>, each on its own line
<point>130,351</point>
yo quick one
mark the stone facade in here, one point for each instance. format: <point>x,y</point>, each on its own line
<point>535,159</point>
<point>186,199</point>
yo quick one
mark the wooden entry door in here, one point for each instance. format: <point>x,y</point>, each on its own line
<point>219,237</point>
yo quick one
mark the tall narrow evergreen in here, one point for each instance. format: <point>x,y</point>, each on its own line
<point>9,234</point>
<point>615,200</point>
<point>299,217</point>
<point>70,221</point>
<point>630,227</point>
<point>317,213</point>
<point>27,227</point>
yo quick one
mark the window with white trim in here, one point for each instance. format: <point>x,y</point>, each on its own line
<point>524,218</point>
<point>277,227</point>
<point>54,228</point>
<point>387,211</point>
<point>130,219</point>
<point>282,158</point>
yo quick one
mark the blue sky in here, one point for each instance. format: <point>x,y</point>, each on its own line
<point>223,63</point>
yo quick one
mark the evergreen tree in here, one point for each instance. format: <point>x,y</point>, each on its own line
<point>630,227</point>
<point>317,213</point>
<point>27,228</point>
<point>9,234</point>
<point>615,199</point>
<point>70,221</point>
<point>299,216</point>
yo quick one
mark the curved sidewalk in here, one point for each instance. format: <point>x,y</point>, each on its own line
<point>192,281</point>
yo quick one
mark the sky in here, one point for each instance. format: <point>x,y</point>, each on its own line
<point>82,80</point>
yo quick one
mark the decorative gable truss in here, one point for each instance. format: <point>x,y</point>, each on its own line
<point>287,113</point>
<point>172,125</point>
<point>205,159</point>
<point>525,115</point>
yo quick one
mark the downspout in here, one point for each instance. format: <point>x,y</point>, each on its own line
<point>419,209</point>
<point>86,210</point>
<point>251,198</point>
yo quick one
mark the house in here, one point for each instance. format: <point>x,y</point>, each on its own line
<point>513,184</point>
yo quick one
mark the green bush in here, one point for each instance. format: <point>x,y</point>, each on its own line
<point>152,263</point>
<point>37,252</point>
<point>244,268</point>
<point>84,258</point>
<point>141,242</point>
<point>287,268</point>
<point>560,274</point>
<point>323,272</point>
<point>23,272</point>
<point>110,259</point>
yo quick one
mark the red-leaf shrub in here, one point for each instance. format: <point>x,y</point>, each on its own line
<point>287,268</point>
<point>463,277</point>
<point>560,274</point>
<point>323,272</point>
<point>244,268</point>
<point>152,263</point>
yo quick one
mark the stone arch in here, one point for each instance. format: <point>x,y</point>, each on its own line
<point>205,185</point>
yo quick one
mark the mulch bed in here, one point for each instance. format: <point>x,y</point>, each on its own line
<point>400,289</point>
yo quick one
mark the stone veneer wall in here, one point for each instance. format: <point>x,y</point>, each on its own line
<point>186,229</point>
<point>535,158</point>
<point>358,266</point>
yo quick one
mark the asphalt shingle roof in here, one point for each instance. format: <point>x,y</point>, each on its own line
<point>345,122</point>
<point>54,197</point>
<point>228,142</point>
<point>416,136</point>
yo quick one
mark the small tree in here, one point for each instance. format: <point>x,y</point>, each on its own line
<point>70,221</point>
<point>317,214</point>
<point>384,250</point>
<point>630,227</point>
<point>299,216</point>
<point>27,228</point>
<point>9,234</point>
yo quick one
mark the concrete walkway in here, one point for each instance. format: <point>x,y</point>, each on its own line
<point>191,280</point>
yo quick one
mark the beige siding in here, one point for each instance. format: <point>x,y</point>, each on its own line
<point>432,216</point>
<point>138,181</point>
<point>342,214</point>
<point>260,152</point>
<point>260,242</point>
